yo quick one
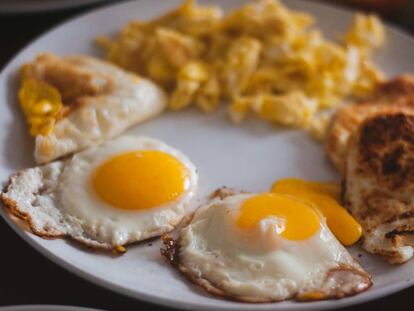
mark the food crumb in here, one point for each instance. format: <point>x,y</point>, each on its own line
<point>120,249</point>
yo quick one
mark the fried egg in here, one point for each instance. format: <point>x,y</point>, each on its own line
<point>264,247</point>
<point>122,191</point>
<point>74,102</point>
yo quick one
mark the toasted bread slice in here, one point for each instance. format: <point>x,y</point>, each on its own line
<point>379,184</point>
<point>392,96</point>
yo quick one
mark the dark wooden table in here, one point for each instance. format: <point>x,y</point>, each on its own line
<point>28,277</point>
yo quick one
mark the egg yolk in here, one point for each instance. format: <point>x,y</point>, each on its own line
<point>331,189</point>
<point>140,180</point>
<point>324,197</point>
<point>41,104</point>
<point>299,221</point>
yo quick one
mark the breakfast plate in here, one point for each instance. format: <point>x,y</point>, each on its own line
<point>249,156</point>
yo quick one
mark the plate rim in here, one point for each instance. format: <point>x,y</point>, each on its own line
<point>168,302</point>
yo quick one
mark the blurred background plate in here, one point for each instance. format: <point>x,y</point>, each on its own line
<point>31,6</point>
<point>46,308</point>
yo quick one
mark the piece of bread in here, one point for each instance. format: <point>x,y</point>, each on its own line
<point>396,95</point>
<point>379,184</point>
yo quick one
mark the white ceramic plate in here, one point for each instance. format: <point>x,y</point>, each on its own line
<point>250,157</point>
<point>45,308</point>
<point>30,6</point>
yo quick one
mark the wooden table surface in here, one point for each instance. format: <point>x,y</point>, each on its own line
<point>27,277</point>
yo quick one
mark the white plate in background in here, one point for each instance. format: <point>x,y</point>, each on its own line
<point>45,308</point>
<point>35,6</point>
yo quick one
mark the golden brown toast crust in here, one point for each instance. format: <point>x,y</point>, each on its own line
<point>386,150</point>
<point>402,85</point>
<point>393,96</point>
<point>379,184</point>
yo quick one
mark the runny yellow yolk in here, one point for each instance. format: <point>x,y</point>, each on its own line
<point>297,220</point>
<point>324,197</point>
<point>330,189</point>
<point>140,180</point>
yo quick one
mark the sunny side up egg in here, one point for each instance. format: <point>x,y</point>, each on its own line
<point>122,191</point>
<point>264,247</point>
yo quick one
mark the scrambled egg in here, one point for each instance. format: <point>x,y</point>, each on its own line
<point>261,59</point>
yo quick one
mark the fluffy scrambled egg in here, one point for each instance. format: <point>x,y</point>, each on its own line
<point>261,58</point>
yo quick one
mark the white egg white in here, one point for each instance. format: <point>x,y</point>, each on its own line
<point>122,100</point>
<point>259,265</point>
<point>57,199</point>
